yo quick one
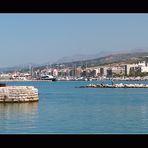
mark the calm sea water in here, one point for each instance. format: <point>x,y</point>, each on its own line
<point>64,109</point>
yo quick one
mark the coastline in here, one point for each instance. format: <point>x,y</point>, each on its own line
<point>121,85</point>
<point>114,79</point>
<point>25,80</point>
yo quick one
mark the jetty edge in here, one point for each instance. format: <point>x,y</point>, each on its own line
<point>18,94</point>
<point>121,85</point>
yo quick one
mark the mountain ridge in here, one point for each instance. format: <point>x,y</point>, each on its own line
<point>119,57</point>
<point>104,57</point>
<point>102,53</point>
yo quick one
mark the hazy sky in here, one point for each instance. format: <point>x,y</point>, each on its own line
<point>40,38</point>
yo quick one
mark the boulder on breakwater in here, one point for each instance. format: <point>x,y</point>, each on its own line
<point>18,94</point>
<point>115,86</point>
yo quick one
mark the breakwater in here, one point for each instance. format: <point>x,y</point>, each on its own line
<point>121,85</point>
<point>18,94</point>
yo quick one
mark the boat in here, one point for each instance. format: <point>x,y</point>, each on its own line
<point>48,77</point>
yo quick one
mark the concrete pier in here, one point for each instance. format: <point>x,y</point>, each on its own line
<point>18,94</point>
<point>115,86</point>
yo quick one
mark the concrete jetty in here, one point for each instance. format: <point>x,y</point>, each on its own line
<point>18,94</point>
<point>121,85</point>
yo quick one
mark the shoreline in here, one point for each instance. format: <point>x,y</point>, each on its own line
<point>25,80</point>
<point>61,80</point>
<point>72,80</point>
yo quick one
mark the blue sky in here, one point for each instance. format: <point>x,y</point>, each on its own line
<point>41,38</point>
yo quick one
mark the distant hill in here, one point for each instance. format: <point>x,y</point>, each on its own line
<point>102,58</point>
<point>112,58</point>
<point>79,57</point>
<point>19,67</point>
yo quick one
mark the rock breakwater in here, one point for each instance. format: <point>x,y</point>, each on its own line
<point>121,85</point>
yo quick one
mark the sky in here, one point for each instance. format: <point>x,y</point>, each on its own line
<point>42,38</point>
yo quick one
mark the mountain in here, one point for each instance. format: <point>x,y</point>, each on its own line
<point>101,58</point>
<point>19,67</point>
<point>102,53</point>
<point>83,57</point>
<point>130,57</point>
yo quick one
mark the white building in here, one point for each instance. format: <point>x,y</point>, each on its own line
<point>4,76</point>
<point>118,70</point>
<point>144,69</point>
<point>143,65</point>
<point>55,72</point>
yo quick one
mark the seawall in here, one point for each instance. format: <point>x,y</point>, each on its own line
<point>18,94</point>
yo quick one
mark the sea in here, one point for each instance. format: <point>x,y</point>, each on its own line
<point>64,108</point>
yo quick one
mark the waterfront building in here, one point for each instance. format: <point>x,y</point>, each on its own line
<point>94,72</point>
<point>5,76</point>
<point>77,72</point>
<point>109,73</point>
<point>135,71</point>
<point>144,69</point>
<point>63,72</point>
<point>103,71</point>
<point>119,70</point>
<point>84,73</point>
<point>136,68</point>
<point>55,72</point>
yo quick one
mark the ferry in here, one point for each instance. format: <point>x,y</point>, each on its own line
<point>48,77</point>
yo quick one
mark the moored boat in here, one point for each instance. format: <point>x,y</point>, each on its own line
<point>48,77</point>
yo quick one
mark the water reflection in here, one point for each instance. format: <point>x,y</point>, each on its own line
<point>15,109</point>
<point>144,113</point>
<point>18,116</point>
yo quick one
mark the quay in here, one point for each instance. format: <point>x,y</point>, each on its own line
<point>18,94</point>
<point>121,85</point>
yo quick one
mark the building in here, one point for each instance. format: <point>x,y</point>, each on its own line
<point>5,76</point>
<point>135,69</point>
<point>103,71</point>
<point>109,73</point>
<point>55,72</point>
<point>119,70</point>
<point>144,69</point>
<point>94,72</point>
<point>77,72</point>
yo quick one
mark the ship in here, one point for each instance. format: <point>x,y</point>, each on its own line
<point>48,77</point>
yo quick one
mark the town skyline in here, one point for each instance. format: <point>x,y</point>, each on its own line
<point>118,66</point>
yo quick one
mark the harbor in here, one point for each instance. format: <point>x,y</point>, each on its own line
<point>77,109</point>
<point>73,74</point>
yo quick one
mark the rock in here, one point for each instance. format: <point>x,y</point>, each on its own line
<point>115,86</point>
